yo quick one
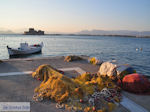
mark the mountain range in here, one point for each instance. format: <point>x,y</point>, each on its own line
<point>97,32</point>
<point>6,32</point>
<point>115,32</point>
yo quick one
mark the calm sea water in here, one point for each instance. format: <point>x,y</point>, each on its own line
<point>122,49</point>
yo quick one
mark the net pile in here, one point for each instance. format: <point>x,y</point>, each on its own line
<point>95,61</point>
<point>72,58</point>
<point>85,93</point>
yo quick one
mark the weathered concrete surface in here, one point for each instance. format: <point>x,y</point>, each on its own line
<point>21,88</point>
<point>18,65</point>
<point>143,100</point>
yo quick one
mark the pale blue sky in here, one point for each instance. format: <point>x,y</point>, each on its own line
<point>75,15</point>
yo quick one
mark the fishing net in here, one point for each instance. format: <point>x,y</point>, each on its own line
<point>87,92</point>
<point>43,72</point>
<point>95,61</point>
<point>72,58</point>
<point>136,83</point>
<point>54,85</point>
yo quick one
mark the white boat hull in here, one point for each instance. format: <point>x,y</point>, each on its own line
<point>23,52</point>
<point>30,50</point>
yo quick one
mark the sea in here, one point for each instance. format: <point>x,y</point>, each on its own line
<point>123,50</point>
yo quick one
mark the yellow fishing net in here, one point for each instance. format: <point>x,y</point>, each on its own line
<point>95,61</point>
<point>72,58</point>
<point>54,85</point>
<point>72,92</point>
<point>43,72</point>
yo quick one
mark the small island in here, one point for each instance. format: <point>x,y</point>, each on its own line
<point>33,32</point>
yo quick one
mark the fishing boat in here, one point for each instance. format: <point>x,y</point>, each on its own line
<point>25,49</point>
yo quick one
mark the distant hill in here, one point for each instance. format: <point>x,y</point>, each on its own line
<point>115,32</point>
<point>92,32</point>
<point>6,32</point>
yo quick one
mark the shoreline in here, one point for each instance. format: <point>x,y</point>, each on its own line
<point>109,35</point>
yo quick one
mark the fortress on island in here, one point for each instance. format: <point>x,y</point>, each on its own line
<point>34,32</point>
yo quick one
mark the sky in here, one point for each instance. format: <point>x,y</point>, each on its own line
<point>74,15</point>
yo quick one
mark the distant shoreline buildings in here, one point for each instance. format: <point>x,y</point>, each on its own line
<point>34,32</point>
